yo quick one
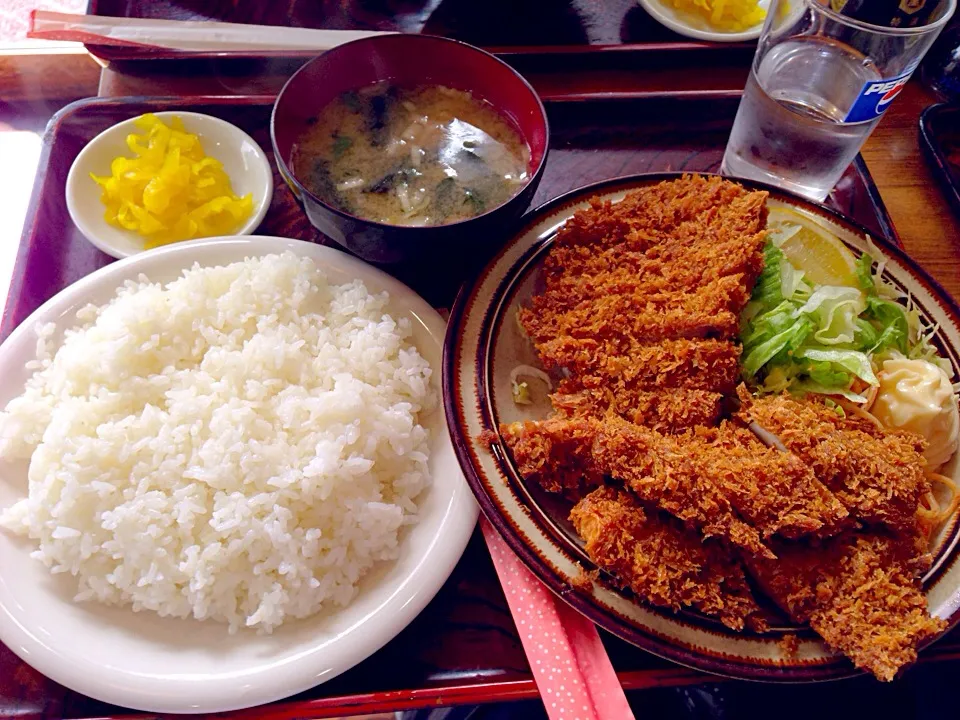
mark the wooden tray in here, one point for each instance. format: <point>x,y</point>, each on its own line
<point>514,26</point>
<point>464,647</point>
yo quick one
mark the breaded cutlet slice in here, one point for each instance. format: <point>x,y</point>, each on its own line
<point>877,474</point>
<point>859,592</point>
<point>554,453</point>
<point>682,363</point>
<point>662,561</point>
<point>616,271</point>
<point>668,209</point>
<point>693,249</point>
<point>722,480</point>
<point>711,310</point>
<point>668,410</point>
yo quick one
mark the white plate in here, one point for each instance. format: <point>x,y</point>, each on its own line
<point>242,159</point>
<point>143,661</point>
<point>695,28</point>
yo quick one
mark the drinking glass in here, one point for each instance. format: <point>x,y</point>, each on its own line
<point>819,82</point>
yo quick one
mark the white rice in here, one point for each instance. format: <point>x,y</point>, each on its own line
<point>240,445</point>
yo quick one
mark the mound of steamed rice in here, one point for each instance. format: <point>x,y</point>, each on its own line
<point>241,444</point>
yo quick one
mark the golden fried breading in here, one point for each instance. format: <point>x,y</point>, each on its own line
<point>673,209</point>
<point>662,561</point>
<point>712,310</point>
<point>877,474</point>
<point>722,481</point>
<point>668,410</point>
<point>677,260</point>
<point>554,453</point>
<point>616,266</point>
<point>696,364</point>
<point>586,290</point>
<point>859,592</point>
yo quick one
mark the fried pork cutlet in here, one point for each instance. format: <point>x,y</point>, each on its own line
<point>640,309</point>
<point>623,362</point>
<point>859,592</point>
<point>711,311</point>
<point>667,410</point>
<point>691,206</point>
<point>554,453</point>
<point>617,268</point>
<point>877,474</point>
<point>677,260</point>
<point>662,561</point>
<point>722,481</point>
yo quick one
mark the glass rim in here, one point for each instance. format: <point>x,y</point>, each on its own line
<point>884,29</point>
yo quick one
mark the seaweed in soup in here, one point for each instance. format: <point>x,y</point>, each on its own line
<point>379,106</point>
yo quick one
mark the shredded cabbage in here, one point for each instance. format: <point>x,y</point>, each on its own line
<point>824,339</point>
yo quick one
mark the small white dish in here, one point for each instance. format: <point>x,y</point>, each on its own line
<point>166,665</point>
<point>242,158</point>
<point>692,27</point>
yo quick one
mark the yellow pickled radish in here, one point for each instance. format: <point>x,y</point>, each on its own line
<point>170,190</point>
<point>728,15</point>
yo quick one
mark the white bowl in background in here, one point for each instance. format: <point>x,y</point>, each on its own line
<point>243,160</point>
<point>686,25</point>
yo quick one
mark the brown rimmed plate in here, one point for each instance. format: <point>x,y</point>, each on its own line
<point>484,343</point>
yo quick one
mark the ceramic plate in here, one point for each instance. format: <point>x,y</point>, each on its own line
<point>243,160</point>
<point>484,343</point>
<point>685,24</point>
<point>143,661</point>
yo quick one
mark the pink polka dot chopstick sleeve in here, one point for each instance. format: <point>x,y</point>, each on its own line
<point>569,663</point>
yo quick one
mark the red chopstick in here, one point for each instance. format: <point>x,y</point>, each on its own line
<point>569,663</point>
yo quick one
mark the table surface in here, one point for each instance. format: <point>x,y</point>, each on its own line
<point>34,86</point>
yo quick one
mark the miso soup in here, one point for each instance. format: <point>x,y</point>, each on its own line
<point>429,155</point>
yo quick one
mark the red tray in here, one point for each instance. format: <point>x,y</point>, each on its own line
<point>514,26</point>
<point>464,647</point>
<point>940,140</point>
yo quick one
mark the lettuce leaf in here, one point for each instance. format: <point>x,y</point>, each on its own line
<point>867,335</point>
<point>835,310</point>
<point>758,354</point>
<point>778,280</point>
<point>791,281</point>
<point>801,338</point>
<point>767,324</point>
<point>864,273</point>
<point>805,338</point>
<point>809,386</point>
<point>892,323</point>
<point>825,374</point>
<point>852,361</point>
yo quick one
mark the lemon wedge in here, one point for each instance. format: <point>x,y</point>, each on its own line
<point>820,254</point>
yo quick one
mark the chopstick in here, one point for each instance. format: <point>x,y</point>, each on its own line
<point>188,36</point>
<point>768,438</point>
<point>568,661</point>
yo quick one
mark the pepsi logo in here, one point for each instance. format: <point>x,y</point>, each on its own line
<point>889,95</point>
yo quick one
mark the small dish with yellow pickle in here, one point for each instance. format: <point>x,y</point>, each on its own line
<point>161,178</point>
<point>710,20</point>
